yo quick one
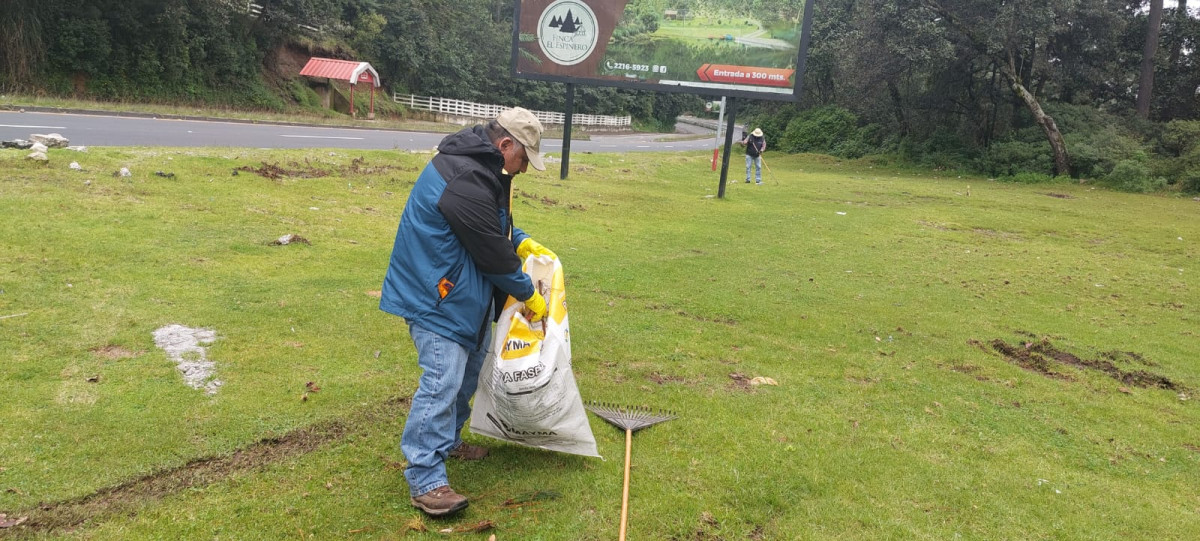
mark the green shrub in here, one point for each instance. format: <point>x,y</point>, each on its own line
<point>820,130</point>
<point>1133,176</point>
<point>1182,136</point>
<point>1009,158</point>
<point>773,123</point>
<point>943,149</point>
<point>1190,181</point>
<point>852,148</point>
<point>1094,153</point>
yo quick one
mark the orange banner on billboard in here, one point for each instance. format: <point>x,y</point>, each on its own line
<point>745,75</point>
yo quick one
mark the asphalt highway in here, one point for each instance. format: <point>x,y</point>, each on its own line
<point>100,130</point>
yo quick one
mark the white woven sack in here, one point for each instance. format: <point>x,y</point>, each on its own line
<point>527,392</point>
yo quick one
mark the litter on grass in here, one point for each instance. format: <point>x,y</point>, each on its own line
<point>185,346</point>
<point>288,239</point>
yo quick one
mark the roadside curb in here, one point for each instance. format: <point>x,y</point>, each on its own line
<point>702,122</point>
<point>166,116</point>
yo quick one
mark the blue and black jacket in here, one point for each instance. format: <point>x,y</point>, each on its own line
<point>455,249</point>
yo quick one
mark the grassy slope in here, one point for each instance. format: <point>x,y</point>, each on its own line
<point>889,420</point>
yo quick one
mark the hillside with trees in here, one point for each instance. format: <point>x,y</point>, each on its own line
<point>1105,90</point>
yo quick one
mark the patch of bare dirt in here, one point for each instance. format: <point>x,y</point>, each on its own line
<point>113,353</point>
<point>1043,357</point>
<point>1060,195</point>
<point>969,370</point>
<point>274,172</point>
<point>548,201</point>
<point>359,166</point>
<point>740,382</point>
<point>128,497</point>
<point>662,379</point>
<point>1028,360</point>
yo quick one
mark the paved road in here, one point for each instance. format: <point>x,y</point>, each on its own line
<point>753,40</point>
<point>94,130</point>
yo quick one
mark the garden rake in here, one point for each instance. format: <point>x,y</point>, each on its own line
<point>631,419</point>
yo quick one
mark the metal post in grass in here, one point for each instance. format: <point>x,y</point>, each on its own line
<point>717,142</point>
<point>732,104</point>
<point>566,150</point>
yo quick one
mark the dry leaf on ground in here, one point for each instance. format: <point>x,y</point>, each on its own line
<point>478,527</point>
<point>9,522</point>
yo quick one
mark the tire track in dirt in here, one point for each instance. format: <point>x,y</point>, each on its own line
<point>126,498</point>
<point>1044,358</point>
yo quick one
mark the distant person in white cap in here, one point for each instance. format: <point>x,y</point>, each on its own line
<point>756,144</point>
<point>457,257</point>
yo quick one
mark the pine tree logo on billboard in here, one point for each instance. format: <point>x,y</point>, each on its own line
<point>567,32</point>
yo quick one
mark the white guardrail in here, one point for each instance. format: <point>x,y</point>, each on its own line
<point>483,111</point>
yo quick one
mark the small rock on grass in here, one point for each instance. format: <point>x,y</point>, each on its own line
<point>52,140</point>
<point>19,144</point>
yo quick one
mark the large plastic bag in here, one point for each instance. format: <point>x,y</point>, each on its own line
<point>527,392</point>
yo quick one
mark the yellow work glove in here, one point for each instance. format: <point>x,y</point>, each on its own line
<point>530,247</point>
<point>536,307</point>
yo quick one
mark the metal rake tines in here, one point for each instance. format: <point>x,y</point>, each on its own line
<point>631,418</point>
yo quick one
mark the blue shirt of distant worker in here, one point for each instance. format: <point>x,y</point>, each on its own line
<point>456,258</point>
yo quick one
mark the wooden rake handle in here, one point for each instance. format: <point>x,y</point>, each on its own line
<point>625,491</point>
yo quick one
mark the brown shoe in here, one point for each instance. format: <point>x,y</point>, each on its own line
<point>466,451</point>
<point>440,501</point>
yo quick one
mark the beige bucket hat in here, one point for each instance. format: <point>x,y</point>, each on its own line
<point>526,128</point>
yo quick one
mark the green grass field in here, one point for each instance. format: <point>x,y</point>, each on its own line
<point>706,29</point>
<point>955,357</point>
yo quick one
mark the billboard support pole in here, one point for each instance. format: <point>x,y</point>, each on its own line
<point>566,144</point>
<point>732,104</point>
<point>717,142</point>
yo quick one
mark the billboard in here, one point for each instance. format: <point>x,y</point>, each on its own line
<point>715,47</point>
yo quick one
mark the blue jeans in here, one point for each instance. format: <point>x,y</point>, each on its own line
<point>756,161</point>
<point>440,407</point>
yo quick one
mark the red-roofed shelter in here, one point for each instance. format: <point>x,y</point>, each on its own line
<point>344,70</point>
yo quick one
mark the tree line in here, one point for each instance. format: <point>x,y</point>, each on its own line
<point>222,52</point>
<point>1087,88</point>
<point>1053,87</point>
